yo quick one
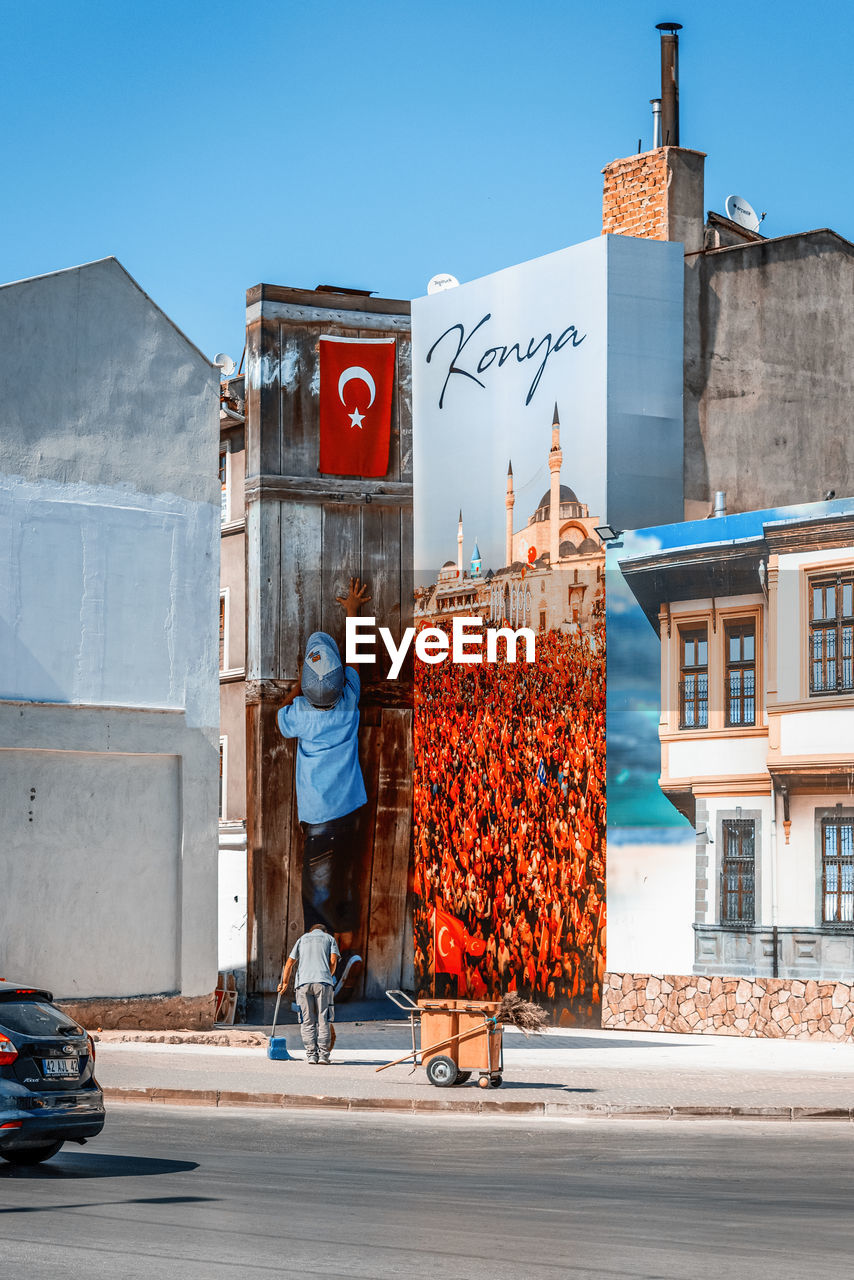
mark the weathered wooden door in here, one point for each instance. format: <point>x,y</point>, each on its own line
<point>307,535</point>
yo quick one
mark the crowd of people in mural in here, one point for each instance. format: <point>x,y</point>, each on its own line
<point>509,798</point>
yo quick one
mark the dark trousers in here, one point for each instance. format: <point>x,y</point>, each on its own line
<point>330,892</point>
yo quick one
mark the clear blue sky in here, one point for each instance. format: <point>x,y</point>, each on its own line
<point>210,146</point>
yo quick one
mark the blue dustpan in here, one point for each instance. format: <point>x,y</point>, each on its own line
<point>277,1049</point>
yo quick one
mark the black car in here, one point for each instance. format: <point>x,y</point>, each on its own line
<point>48,1091</point>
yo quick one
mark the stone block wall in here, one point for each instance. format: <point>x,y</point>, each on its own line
<point>143,1013</point>
<point>634,197</point>
<point>773,1007</point>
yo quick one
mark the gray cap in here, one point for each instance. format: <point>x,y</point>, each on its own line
<point>322,671</point>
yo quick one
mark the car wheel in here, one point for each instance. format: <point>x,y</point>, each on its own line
<point>32,1155</point>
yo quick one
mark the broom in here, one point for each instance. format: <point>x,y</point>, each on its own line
<point>523,1014</point>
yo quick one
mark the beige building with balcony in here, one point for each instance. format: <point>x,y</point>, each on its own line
<point>757,751</point>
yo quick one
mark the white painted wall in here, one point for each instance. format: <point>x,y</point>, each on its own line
<point>712,757</point>
<point>104,596</point>
<point>232,912</point>
<point>817,733</point>
<point>650,899</point>
<point>109,693</point>
<point>121,903</point>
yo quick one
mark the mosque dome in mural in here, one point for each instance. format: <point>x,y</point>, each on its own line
<point>566,495</point>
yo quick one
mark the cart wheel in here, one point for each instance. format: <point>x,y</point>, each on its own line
<point>496,1081</point>
<point>442,1071</point>
<point>462,1076</point>
<point>483,1082</point>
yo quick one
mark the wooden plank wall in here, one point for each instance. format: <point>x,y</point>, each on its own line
<point>307,535</point>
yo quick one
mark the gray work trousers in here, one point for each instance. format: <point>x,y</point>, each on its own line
<point>316,1014</point>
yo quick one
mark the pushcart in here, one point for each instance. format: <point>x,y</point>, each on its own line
<point>457,1038</point>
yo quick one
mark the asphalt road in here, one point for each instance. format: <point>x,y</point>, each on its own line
<point>201,1195</point>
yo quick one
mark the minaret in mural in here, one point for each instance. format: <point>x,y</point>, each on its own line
<point>460,546</point>
<point>555,460</point>
<point>509,503</point>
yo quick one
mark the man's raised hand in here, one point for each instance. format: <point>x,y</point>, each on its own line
<point>357,596</point>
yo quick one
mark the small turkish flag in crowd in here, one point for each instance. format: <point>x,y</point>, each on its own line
<point>356,385</point>
<point>475,946</point>
<point>450,942</point>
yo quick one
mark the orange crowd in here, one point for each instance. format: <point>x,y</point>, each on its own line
<point>510,823</point>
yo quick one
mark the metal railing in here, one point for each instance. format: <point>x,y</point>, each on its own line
<point>694,702</point>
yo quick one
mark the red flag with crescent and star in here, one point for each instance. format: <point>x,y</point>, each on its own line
<point>356,385</point>
<point>450,942</point>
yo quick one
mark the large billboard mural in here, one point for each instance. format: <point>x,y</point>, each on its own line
<point>541,396</point>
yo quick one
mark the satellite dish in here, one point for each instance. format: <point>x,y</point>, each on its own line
<point>738,210</point>
<point>439,283</point>
<point>224,363</point>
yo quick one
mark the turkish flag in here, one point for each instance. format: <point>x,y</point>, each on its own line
<point>356,385</point>
<point>450,943</point>
<point>474,946</point>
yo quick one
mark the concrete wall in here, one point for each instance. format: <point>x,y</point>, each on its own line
<point>109,523</point>
<point>768,373</point>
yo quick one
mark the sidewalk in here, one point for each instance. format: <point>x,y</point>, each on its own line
<point>562,1073</point>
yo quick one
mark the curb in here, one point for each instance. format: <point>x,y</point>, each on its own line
<point>465,1106</point>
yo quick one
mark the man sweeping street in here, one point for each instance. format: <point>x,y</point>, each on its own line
<point>314,956</point>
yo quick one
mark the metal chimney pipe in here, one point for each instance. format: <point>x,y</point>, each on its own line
<point>670,81</point>
<point>655,103</point>
<point>720,503</point>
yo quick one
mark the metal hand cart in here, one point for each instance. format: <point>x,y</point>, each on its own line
<point>457,1038</point>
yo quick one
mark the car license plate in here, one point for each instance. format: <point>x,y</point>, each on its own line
<point>61,1066</point>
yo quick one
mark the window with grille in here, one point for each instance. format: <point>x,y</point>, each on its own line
<point>222,633</point>
<point>740,694</point>
<point>837,870</point>
<point>832,634</point>
<point>694,679</point>
<point>738,871</point>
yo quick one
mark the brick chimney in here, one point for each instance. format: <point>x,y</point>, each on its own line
<point>656,195</point>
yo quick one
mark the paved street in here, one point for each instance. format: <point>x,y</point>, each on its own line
<point>198,1194</point>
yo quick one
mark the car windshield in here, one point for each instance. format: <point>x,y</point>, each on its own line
<point>31,1018</point>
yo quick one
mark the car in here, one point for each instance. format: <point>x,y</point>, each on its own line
<point>48,1091</point>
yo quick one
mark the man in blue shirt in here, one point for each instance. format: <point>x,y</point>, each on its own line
<point>322,713</point>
